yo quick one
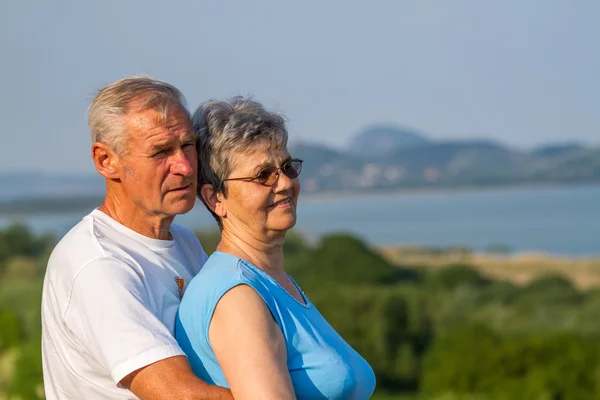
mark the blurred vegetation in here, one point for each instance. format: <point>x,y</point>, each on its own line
<point>443,333</point>
<point>23,258</point>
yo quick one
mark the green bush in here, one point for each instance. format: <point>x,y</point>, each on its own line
<point>448,334</point>
<point>552,288</point>
<point>343,259</point>
<point>11,331</point>
<point>18,240</point>
<point>383,324</point>
<point>22,299</point>
<point>455,275</point>
<point>27,381</point>
<point>550,291</point>
<point>502,292</point>
<point>473,360</point>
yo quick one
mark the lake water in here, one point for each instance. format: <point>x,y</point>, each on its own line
<point>558,220</point>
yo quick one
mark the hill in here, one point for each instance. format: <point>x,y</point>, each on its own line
<point>378,158</point>
<point>557,149</point>
<point>383,140</point>
<point>422,163</point>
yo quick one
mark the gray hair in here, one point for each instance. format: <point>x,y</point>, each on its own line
<point>236,125</point>
<point>131,94</point>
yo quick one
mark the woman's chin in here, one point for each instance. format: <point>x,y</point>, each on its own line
<point>284,224</point>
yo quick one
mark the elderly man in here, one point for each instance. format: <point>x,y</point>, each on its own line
<point>114,282</point>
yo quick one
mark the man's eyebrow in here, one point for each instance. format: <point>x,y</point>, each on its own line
<point>191,138</point>
<point>156,147</point>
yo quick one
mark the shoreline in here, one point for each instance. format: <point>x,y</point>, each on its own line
<point>520,269</point>
<point>77,202</point>
<point>466,252</point>
<point>52,219</point>
<point>405,192</point>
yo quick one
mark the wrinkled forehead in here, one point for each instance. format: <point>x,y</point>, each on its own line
<point>253,159</point>
<point>175,119</point>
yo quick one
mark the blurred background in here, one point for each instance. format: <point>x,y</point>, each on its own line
<point>449,221</point>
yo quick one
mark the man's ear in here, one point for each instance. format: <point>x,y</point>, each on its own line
<point>213,199</point>
<point>106,161</point>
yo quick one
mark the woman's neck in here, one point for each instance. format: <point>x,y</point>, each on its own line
<point>267,256</point>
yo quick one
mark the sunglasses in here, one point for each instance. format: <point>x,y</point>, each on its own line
<point>269,175</point>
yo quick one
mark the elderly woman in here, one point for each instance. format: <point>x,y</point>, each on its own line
<point>243,322</point>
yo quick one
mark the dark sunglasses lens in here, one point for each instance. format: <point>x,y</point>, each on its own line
<point>292,168</point>
<point>267,176</point>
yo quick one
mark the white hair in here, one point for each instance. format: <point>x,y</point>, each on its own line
<point>114,102</point>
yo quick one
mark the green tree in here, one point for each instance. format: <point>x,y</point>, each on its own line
<point>551,288</point>
<point>11,332</point>
<point>473,360</point>
<point>344,259</point>
<point>19,240</point>
<point>27,381</point>
<point>455,275</point>
<point>380,323</point>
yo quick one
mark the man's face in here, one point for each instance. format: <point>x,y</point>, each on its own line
<point>159,167</point>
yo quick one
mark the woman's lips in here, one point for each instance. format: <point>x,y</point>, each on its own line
<point>284,203</point>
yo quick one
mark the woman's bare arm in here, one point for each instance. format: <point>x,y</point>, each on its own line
<point>250,347</point>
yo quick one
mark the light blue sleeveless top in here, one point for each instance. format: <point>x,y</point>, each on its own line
<point>321,364</point>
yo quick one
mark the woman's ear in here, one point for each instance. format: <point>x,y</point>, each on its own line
<point>213,199</point>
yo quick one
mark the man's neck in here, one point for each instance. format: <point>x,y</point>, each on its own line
<point>125,213</point>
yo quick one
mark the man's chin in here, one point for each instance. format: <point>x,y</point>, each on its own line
<point>183,206</point>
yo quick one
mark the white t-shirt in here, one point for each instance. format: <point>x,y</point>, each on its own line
<point>108,305</point>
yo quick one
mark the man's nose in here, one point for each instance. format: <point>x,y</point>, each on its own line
<point>182,164</point>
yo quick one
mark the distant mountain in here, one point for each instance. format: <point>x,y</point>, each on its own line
<point>408,161</point>
<point>457,161</point>
<point>557,149</point>
<point>326,169</point>
<point>383,140</point>
<point>580,165</point>
<point>445,164</point>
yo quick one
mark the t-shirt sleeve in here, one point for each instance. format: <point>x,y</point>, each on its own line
<point>111,314</point>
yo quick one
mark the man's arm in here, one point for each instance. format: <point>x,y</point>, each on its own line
<point>111,314</point>
<point>172,378</point>
<point>250,347</point>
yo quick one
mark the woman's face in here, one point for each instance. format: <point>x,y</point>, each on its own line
<point>265,212</point>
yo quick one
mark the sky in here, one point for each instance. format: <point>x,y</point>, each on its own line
<point>523,73</point>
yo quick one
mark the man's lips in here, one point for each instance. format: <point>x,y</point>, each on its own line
<point>185,187</point>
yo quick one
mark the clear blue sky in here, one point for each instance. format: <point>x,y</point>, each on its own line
<point>521,72</point>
